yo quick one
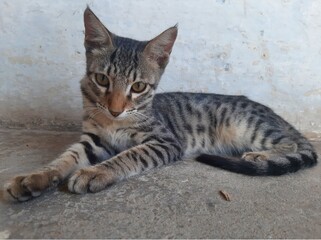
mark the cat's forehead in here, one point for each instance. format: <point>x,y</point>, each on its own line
<point>123,61</point>
<point>121,47</point>
<point>119,57</point>
<point>128,43</point>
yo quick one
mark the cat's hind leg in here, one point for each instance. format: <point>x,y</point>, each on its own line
<point>282,158</point>
<point>277,150</point>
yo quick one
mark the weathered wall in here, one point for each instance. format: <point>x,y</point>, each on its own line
<point>269,50</point>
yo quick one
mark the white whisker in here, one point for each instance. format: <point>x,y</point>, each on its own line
<point>140,114</point>
<point>95,113</point>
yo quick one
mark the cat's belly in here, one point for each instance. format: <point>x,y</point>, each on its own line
<point>216,145</point>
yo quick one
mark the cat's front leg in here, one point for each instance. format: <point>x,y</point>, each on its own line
<point>24,187</point>
<point>87,152</point>
<point>130,162</point>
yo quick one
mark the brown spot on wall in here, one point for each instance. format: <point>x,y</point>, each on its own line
<point>20,60</point>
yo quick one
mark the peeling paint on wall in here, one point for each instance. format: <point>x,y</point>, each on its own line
<point>268,50</point>
<point>313,92</point>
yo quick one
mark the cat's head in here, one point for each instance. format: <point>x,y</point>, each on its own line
<point>122,73</point>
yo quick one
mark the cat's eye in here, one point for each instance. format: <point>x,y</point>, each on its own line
<point>102,80</point>
<point>138,87</point>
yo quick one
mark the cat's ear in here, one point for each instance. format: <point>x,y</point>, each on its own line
<point>159,48</point>
<point>96,34</point>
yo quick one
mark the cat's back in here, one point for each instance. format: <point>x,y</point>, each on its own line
<point>199,97</point>
<point>185,107</point>
<point>198,107</point>
<point>190,101</point>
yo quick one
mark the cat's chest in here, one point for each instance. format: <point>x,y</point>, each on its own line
<point>118,139</point>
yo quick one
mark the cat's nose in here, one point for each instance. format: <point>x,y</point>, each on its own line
<point>115,114</point>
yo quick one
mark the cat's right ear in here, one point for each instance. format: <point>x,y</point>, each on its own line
<point>159,48</point>
<point>96,34</point>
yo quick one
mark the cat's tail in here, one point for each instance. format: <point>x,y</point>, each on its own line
<point>277,165</point>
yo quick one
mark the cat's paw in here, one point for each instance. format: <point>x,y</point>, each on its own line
<point>23,188</point>
<point>255,156</point>
<point>91,179</point>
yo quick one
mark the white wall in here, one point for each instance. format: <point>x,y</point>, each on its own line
<point>269,50</point>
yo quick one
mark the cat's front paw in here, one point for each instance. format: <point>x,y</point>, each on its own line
<point>91,179</point>
<point>23,188</point>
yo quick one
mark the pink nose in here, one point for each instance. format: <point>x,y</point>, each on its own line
<point>115,114</point>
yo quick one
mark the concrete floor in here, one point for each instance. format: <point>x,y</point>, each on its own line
<point>178,201</point>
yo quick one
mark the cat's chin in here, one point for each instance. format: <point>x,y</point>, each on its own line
<point>120,119</point>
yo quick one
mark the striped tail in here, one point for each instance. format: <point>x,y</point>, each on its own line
<point>272,167</point>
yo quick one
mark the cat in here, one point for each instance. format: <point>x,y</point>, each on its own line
<point>128,129</point>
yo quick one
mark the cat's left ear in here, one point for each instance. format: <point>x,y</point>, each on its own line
<point>159,48</point>
<point>96,34</point>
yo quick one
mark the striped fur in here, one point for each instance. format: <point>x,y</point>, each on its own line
<point>126,132</point>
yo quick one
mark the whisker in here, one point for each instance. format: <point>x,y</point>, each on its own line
<point>161,88</point>
<point>140,114</point>
<point>141,117</point>
<point>89,107</point>
<point>94,113</point>
<point>136,115</point>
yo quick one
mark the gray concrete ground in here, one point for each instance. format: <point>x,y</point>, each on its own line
<point>177,201</point>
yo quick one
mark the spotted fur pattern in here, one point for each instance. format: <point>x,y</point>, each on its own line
<point>126,132</point>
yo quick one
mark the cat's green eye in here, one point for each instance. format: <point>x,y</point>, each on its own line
<point>102,80</point>
<point>138,87</point>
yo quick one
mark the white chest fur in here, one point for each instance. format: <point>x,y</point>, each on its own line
<point>120,139</point>
<point>114,134</point>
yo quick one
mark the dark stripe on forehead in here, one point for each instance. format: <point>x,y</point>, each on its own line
<point>115,68</point>
<point>129,71</point>
<point>135,59</point>
<point>135,76</point>
<point>113,55</point>
<point>108,70</point>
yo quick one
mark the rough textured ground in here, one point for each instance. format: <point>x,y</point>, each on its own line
<point>178,201</point>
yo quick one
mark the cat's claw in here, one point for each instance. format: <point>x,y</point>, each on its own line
<point>23,188</point>
<point>91,179</point>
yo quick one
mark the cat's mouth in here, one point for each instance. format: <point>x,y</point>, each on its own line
<point>131,114</point>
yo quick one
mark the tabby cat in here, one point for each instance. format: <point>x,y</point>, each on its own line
<point>128,129</point>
